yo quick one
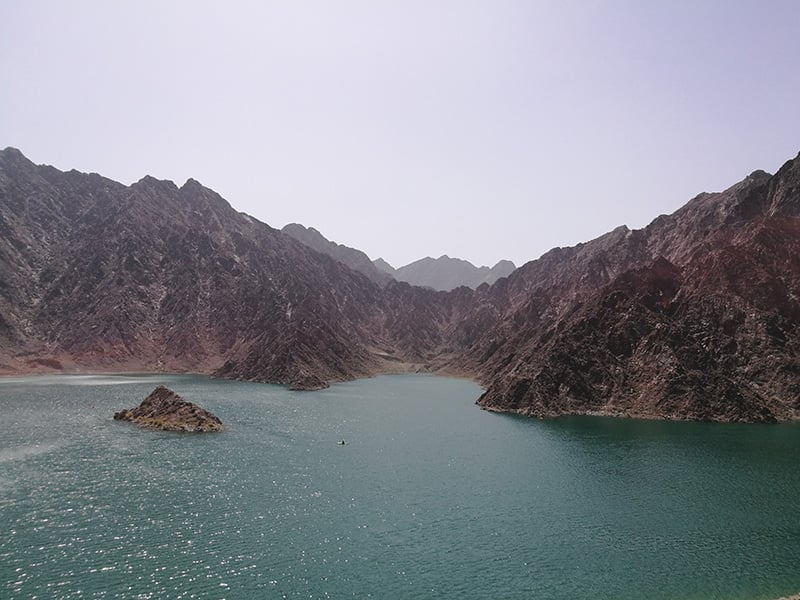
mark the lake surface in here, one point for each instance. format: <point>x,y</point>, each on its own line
<point>430,498</point>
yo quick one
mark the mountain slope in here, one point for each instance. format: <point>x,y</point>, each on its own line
<point>441,274</point>
<point>152,276</point>
<point>355,259</point>
<point>693,317</point>
<point>384,266</point>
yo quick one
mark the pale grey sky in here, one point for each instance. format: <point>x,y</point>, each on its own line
<point>483,130</point>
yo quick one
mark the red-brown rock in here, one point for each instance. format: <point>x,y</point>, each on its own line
<point>164,409</point>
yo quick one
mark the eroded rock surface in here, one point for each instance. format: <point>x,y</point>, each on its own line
<point>696,316</point>
<point>164,409</point>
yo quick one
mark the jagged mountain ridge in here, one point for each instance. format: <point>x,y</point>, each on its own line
<point>442,274</point>
<point>94,274</point>
<point>383,266</point>
<point>446,273</point>
<point>692,317</point>
<point>355,259</point>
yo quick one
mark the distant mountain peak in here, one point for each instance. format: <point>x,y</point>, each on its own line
<point>759,174</point>
<point>192,184</point>
<point>503,263</point>
<point>446,273</point>
<point>384,266</point>
<point>154,182</point>
<point>12,156</point>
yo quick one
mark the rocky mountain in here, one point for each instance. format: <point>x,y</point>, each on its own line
<point>441,274</point>
<point>693,317</point>
<point>384,266</point>
<point>355,259</point>
<point>445,273</point>
<point>97,275</point>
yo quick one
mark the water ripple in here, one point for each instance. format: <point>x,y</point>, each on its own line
<point>432,498</point>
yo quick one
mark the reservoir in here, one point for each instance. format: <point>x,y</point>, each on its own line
<point>430,497</point>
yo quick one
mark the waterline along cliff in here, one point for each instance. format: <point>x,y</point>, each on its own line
<point>693,317</point>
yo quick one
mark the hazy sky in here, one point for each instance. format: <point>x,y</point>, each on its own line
<point>483,130</point>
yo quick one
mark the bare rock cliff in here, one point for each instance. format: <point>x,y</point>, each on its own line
<point>695,316</point>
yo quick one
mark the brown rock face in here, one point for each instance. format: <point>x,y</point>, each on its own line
<point>164,409</point>
<point>696,316</point>
<point>152,276</point>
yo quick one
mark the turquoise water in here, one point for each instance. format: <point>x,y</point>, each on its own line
<point>430,498</point>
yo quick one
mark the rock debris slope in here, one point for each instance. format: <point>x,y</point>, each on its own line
<point>693,317</point>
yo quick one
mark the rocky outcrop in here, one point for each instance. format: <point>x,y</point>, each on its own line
<point>165,410</point>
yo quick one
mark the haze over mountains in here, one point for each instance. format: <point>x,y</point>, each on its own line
<point>355,259</point>
<point>693,317</point>
<point>443,273</point>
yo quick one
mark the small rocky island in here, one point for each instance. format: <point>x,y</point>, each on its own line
<point>164,409</point>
